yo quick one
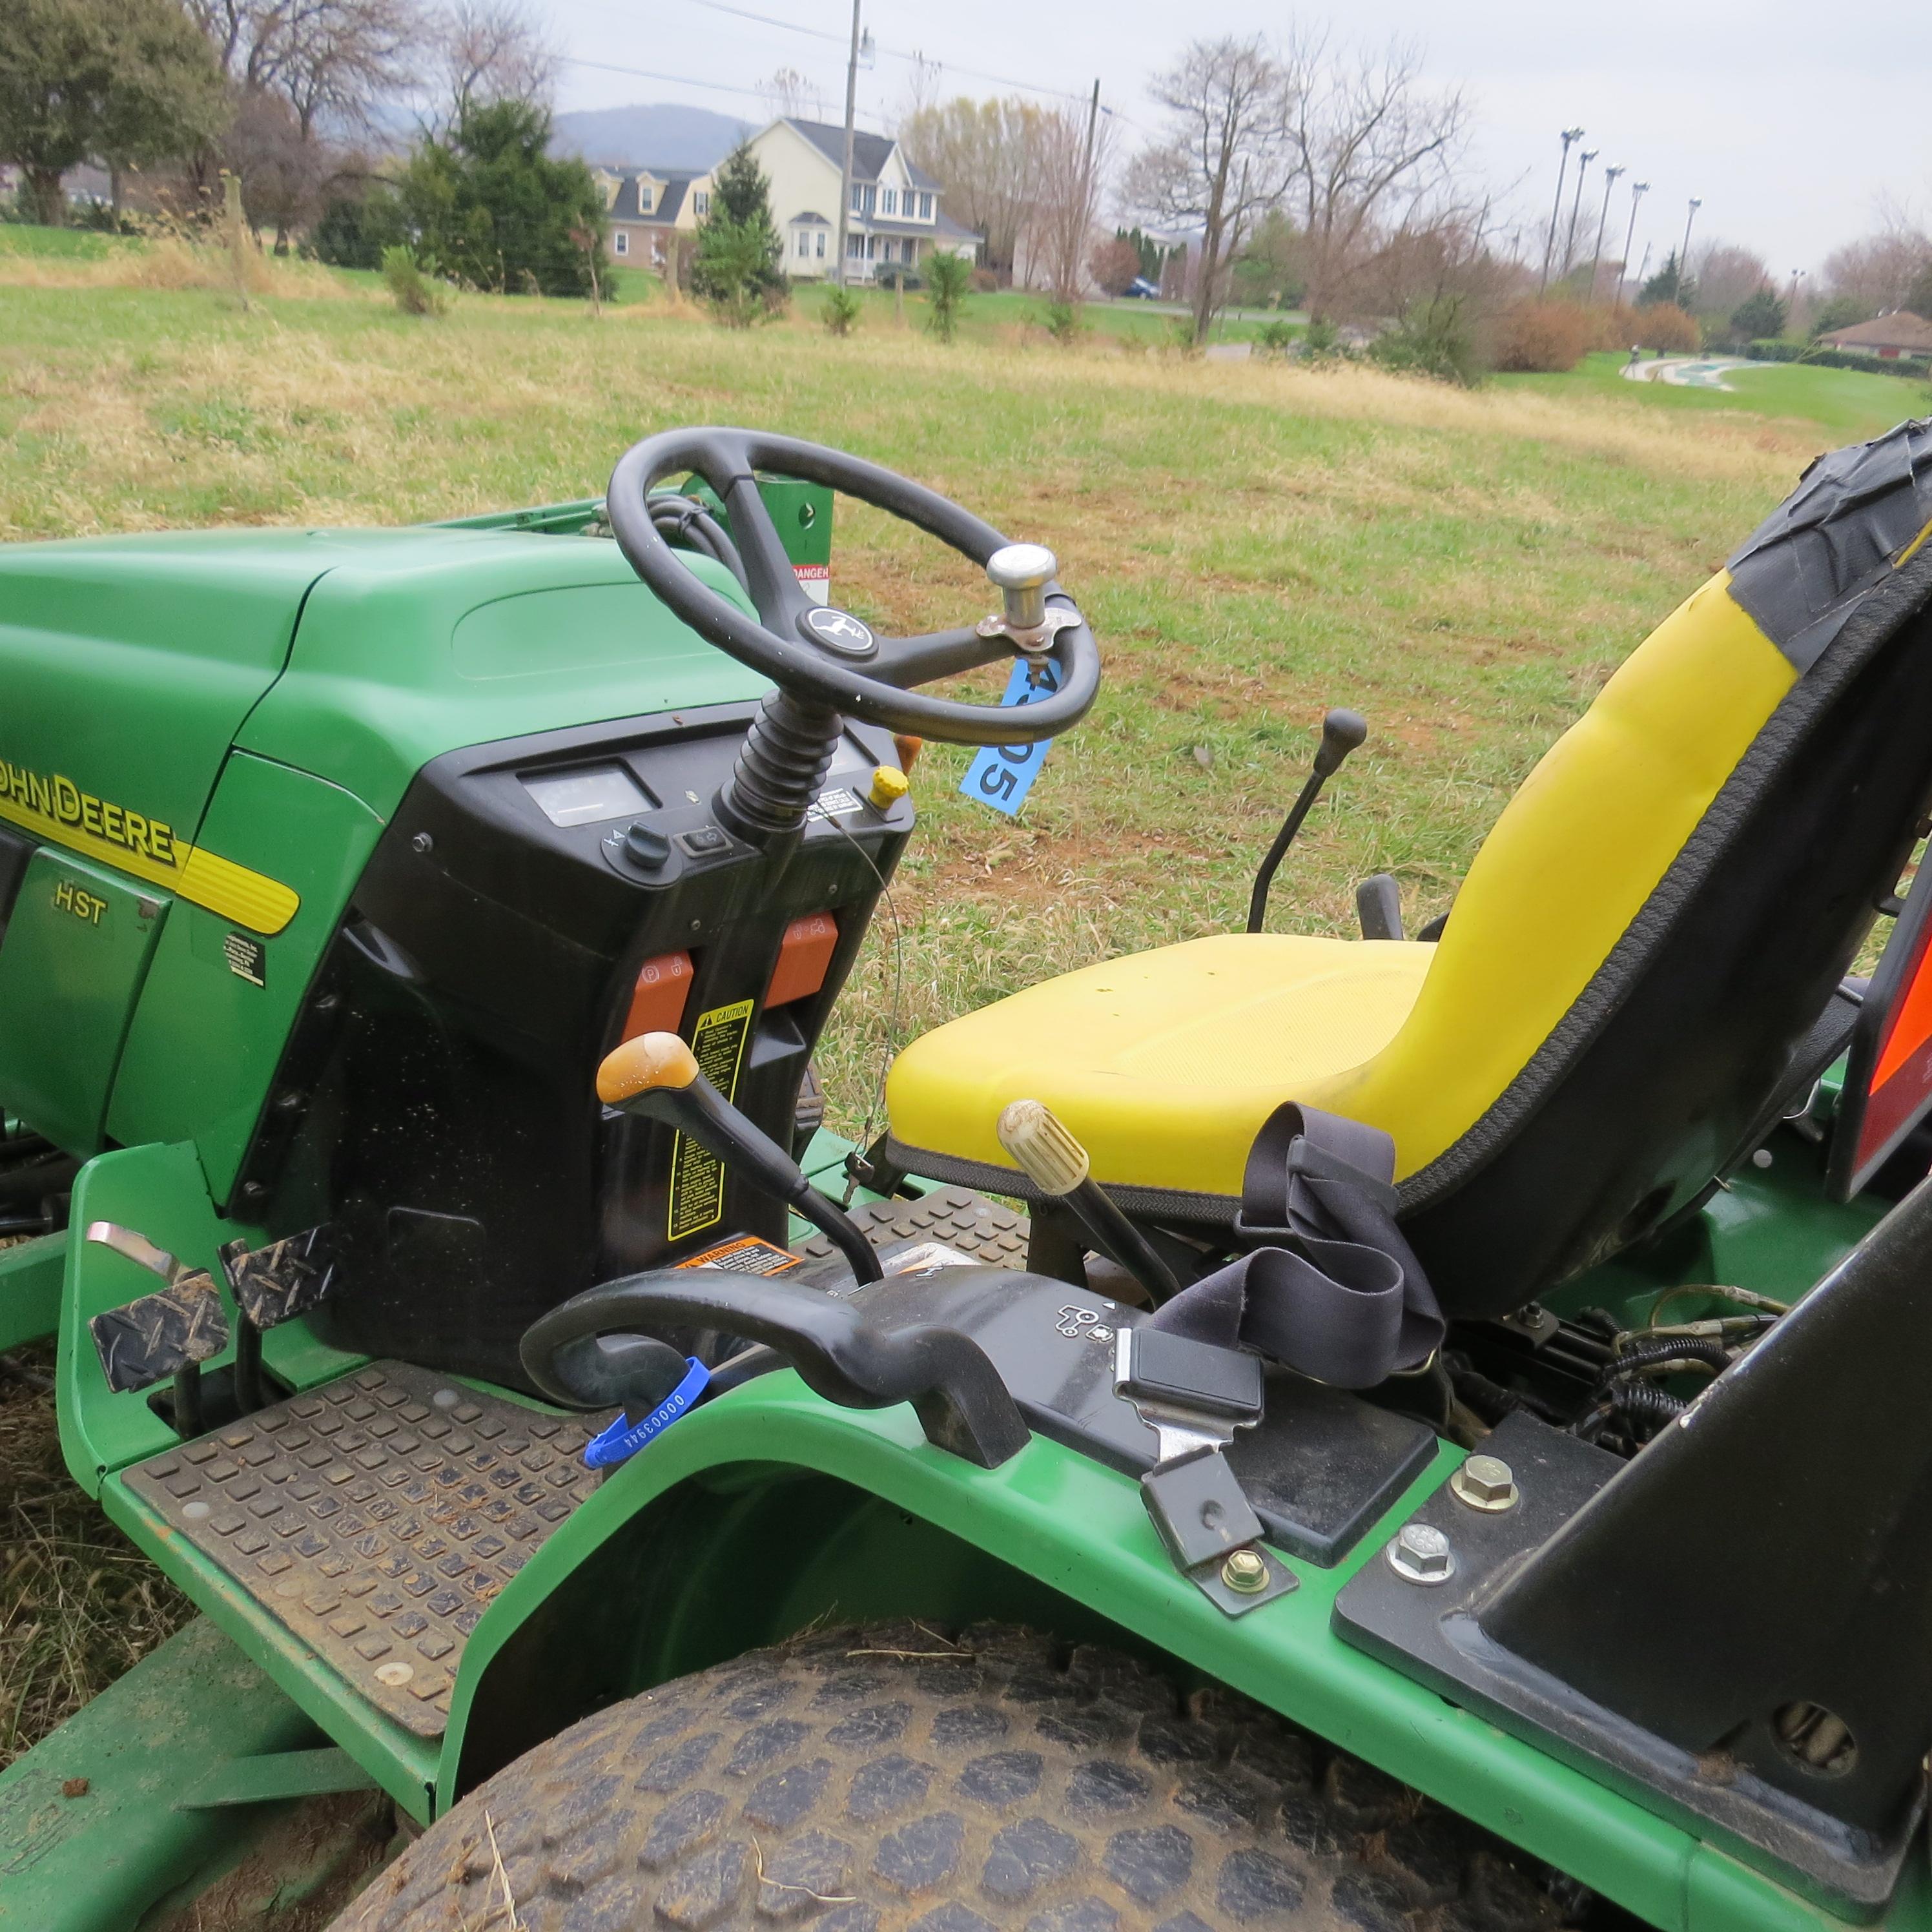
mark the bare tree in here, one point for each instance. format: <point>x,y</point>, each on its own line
<point>332,61</point>
<point>789,96</point>
<point>1375,156</point>
<point>1879,270</point>
<point>984,154</point>
<point>1072,153</point>
<point>1225,157</point>
<point>1724,275</point>
<point>493,50</point>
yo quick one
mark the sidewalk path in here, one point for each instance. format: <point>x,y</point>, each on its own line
<point>1688,372</point>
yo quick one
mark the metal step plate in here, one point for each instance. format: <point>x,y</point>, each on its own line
<point>376,1518</point>
<point>955,1217</point>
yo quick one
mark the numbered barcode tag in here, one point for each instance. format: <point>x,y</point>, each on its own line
<point>1001,776</point>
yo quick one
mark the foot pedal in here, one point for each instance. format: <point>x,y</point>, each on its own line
<point>376,1518</point>
<point>176,1328</point>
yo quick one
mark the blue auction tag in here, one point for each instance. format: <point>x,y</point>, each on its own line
<point>1001,776</point>
<point>623,1439</point>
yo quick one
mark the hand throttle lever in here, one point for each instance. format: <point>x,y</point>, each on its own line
<point>657,1075</point>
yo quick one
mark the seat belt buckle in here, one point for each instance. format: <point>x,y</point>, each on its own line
<point>1194,1397</point>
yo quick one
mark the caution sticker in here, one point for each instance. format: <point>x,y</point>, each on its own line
<point>746,1254</point>
<point>696,1175</point>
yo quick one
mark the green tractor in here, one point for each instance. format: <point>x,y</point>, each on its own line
<point>1276,1433</point>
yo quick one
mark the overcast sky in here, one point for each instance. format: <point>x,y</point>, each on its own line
<point>1789,131</point>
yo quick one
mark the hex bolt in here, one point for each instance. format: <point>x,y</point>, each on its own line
<point>1245,1571</point>
<point>1486,1483</point>
<point>1420,1554</point>
<point>422,842</point>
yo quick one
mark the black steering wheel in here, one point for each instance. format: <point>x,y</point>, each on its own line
<point>819,654</point>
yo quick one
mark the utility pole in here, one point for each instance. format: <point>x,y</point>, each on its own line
<point>1583,161</point>
<point>1556,209</point>
<point>845,174</point>
<point>1597,253</point>
<point>1684,257</point>
<point>1086,209</point>
<point>1638,191</point>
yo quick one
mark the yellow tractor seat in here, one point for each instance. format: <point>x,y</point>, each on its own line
<point>1639,971</point>
<point>1164,1064</point>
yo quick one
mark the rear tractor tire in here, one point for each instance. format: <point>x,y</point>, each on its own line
<point>898,1780</point>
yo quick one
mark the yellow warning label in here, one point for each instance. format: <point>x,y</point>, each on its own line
<point>698,1175</point>
<point>52,806</point>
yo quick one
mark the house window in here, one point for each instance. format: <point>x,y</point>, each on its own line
<point>911,250</point>
<point>701,203</point>
<point>855,248</point>
<point>889,202</point>
<point>804,244</point>
<point>646,197</point>
<point>872,200</point>
<point>858,199</point>
<point>821,244</point>
<point>926,207</point>
<point>620,242</point>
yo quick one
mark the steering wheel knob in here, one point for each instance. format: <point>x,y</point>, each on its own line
<point>1020,573</point>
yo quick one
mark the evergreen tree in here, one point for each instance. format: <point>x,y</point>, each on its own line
<point>487,205</point>
<point>1670,286</point>
<point>1758,318</point>
<point>736,268</point>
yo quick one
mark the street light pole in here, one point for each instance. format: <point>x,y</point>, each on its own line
<point>1556,208</point>
<point>845,173</point>
<point>1638,191</point>
<point>1583,161</point>
<point>1597,253</point>
<point>1684,258</point>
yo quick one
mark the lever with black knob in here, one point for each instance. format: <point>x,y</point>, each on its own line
<point>656,1075</point>
<point>1341,732</point>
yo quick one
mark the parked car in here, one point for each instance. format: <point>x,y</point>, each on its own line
<point>1141,288</point>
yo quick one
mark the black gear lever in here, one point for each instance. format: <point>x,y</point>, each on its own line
<point>1341,732</point>
<point>657,1075</point>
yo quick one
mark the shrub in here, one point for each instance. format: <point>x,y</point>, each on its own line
<point>735,268</point>
<point>1322,342</point>
<point>840,312</point>
<point>1061,320</point>
<point>415,293</point>
<point>1541,337</point>
<point>1816,358</point>
<point>1436,338</point>
<point>1666,328</point>
<point>949,277</point>
<point>1114,264</point>
<point>1276,338</point>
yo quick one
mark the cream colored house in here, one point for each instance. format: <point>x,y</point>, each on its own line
<point>895,218</point>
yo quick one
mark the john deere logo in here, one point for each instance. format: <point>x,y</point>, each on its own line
<point>837,631</point>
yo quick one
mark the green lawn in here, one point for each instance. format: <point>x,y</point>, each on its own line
<point>1252,542</point>
<point>1846,402</point>
<point>58,244</point>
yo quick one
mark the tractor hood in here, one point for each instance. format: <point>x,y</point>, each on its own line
<point>130,665</point>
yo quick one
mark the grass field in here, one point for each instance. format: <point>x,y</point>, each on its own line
<point>1252,542</point>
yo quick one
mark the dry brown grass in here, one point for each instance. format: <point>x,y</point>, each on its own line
<point>174,261</point>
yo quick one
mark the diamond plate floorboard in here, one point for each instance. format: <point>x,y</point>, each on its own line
<point>955,1216</point>
<point>377,1517</point>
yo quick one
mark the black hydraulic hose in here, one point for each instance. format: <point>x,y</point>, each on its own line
<point>1692,1350</point>
<point>685,520</point>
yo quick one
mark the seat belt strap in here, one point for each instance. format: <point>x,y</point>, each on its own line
<point>1332,1290</point>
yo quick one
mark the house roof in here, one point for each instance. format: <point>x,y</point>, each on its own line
<point>870,152</point>
<point>664,214</point>
<point>809,219</point>
<point>1901,329</point>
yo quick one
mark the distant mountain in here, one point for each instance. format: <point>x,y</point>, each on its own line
<point>659,135</point>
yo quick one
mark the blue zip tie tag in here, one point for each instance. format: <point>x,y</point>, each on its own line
<point>1001,776</point>
<point>623,1439</point>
